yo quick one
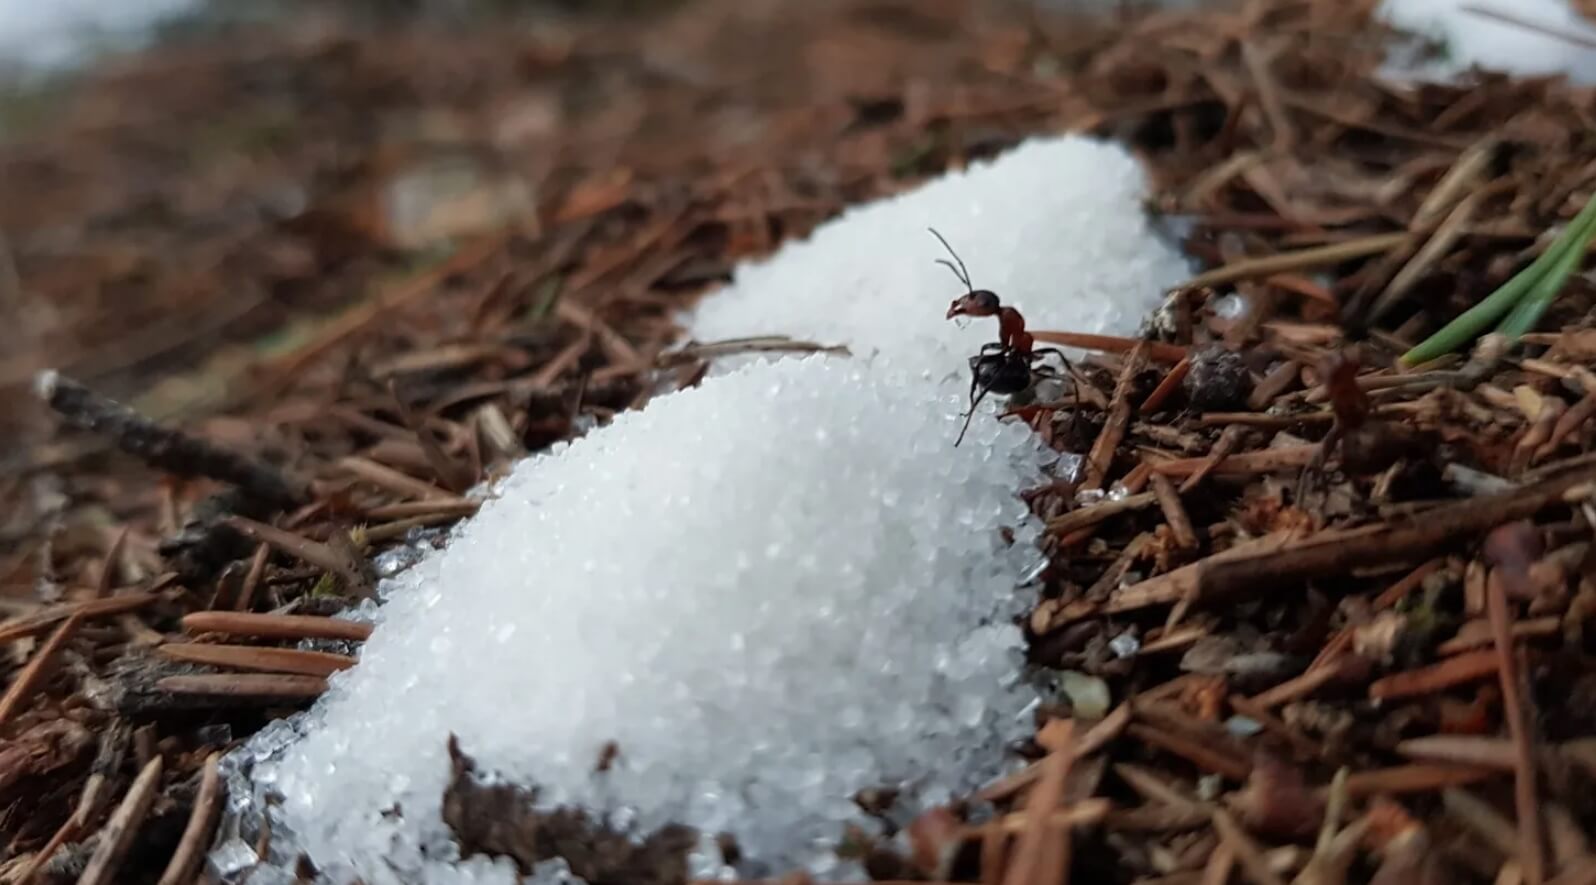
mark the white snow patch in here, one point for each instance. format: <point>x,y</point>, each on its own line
<point>1473,40</point>
<point>770,591</point>
<point>1056,227</point>
<point>53,33</point>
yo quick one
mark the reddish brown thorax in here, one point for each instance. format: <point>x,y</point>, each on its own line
<point>1011,332</point>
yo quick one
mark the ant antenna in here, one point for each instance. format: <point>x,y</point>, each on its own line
<point>961,271</point>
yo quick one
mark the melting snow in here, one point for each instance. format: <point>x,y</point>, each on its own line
<point>770,591</point>
<point>1056,227</point>
<point>1474,40</point>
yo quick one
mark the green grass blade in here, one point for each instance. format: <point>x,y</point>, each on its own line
<point>1472,322</point>
<point>1534,305</point>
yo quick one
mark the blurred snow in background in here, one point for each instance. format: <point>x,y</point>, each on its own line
<point>52,34</point>
<point>1524,37</point>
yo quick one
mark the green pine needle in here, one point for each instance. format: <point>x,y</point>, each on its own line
<point>1540,282</point>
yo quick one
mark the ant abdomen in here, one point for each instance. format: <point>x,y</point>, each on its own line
<point>1004,374</point>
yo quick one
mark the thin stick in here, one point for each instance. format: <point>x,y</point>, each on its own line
<point>245,685</point>
<point>254,657</point>
<point>17,696</point>
<point>1031,850</point>
<point>1484,821</point>
<point>1101,456</point>
<point>107,581</point>
<point>1166,387</point>
<point>1247,853</point>
<point>387,478</point>
<point>1156,350</point>
<point>1174,512</point>
<point>1329,553</point>
<point>40,621</point>
<point>342,561</point>
<point>1193,751</point>
<point>1462,749</point>
<point>1220,865</point>
<point>201,821</point>
<point>1318,256</point>
<point>117,836</point>
<point>1456,670</point>
<point>266,626</point>
<point>257,568</point>
<point>1246,464</point>
<point>1095,513</point>
<point>1298,687</point>
<point>1418,778</point>
<point>166,448</point>
<point>1530,854</point>
<point>1096,738</point>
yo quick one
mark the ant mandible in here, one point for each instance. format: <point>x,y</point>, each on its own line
<point>1006,366</point>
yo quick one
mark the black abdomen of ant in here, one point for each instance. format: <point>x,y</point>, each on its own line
<point>1004,374</point>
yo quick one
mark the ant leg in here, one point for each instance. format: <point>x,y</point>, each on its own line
<point>1069,371</point>
<point>975,402</point>
<point>1042,351</point>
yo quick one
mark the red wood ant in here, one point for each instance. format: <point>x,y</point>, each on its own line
<point>1007,366</point>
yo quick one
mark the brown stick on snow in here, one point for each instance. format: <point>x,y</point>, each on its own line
<point>163,447</point>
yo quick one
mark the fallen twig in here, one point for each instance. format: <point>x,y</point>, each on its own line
<point>27,679</point>
<point>117,835</point>
<point>164,448</point>
<point>266,626</point>
<point>1423,535</point>
<point>201,822</point>
<point>252,657</point>
<point>245,685</point>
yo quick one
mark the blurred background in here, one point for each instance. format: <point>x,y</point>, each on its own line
<point>190,186</point>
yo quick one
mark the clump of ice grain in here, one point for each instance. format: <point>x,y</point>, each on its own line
<point>1473,40</point>
<point>770,591</point>
<point>1056,227</point>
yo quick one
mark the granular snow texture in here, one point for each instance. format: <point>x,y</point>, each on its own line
<point>770,592</point>
<point>1056,227</point>
<point>1473,40</point>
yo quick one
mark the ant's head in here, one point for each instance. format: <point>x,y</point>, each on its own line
<point>979,303</point>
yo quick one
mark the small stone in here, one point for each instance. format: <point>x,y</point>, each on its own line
<point>1218,380</point>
